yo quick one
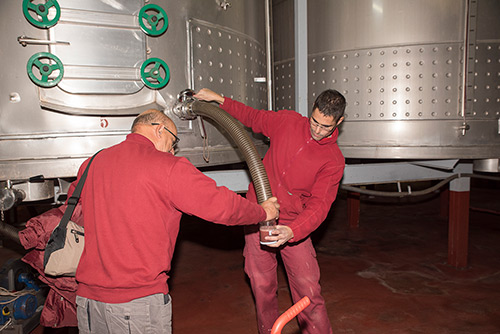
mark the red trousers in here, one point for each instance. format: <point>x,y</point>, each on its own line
<point>303,277</point>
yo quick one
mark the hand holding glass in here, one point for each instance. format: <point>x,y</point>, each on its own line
<point>266,228</point>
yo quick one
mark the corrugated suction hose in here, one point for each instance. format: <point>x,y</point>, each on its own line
<point>245,144</point>
<point>237,133</point>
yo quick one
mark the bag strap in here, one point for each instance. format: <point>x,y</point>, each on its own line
<point>73,200</point>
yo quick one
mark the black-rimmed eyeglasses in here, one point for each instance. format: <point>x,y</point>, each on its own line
<point>323,127</point>
<point>176,140</point>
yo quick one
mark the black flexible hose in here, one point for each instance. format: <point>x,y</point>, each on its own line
<point>245,144</point>
<point>10,232</point>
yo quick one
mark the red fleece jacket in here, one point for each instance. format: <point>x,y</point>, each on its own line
<point>304,173</point>
<point>132,203</point>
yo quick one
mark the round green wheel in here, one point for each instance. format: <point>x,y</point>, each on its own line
<point>155,73</point>
<point>156,19</point>
<point>46,68</point>
<point>38,13</point>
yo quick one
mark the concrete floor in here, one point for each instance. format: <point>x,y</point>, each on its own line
<point>388,276</point>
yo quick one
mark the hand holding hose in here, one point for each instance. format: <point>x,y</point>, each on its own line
<point>271,207</point>
<point>207,95</point>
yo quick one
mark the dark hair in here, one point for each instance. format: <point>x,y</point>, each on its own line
<point>330,103</point>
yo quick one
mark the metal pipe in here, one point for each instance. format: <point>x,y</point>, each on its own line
<point>269,58</point>
<point>300,50</point>
<point>416,193</point>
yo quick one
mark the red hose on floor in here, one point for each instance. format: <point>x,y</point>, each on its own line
<point>289,315</point>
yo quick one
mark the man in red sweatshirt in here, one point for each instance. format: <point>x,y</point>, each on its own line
<point>304,166</point>
<point>132,202</point>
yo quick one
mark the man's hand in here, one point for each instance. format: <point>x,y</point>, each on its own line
<point>271,207</point>
<point>282,234</point>
<point>206,94</point>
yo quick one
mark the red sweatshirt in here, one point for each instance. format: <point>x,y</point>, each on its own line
<point>132,203</point>
<point>304,173</point>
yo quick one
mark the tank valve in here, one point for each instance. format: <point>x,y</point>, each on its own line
<point>183,108</point>
<point>10,196</point>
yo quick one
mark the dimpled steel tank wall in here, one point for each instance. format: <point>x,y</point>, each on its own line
<point>76,73</point>
<point>421,78</point>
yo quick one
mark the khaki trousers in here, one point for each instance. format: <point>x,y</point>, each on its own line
<point>150,314</point>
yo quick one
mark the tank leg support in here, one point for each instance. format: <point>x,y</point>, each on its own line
<point>353,205</point>
<point>444,208</point>
<point>458,223</point>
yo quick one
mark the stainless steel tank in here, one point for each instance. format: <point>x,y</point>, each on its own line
<point>421,78</point>
<point>76,73</point>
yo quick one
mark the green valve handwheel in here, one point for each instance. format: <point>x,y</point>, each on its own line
<point>157,75</point>
<point>38,13</point>
<point>155,17</point>
<point>46,77</point>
